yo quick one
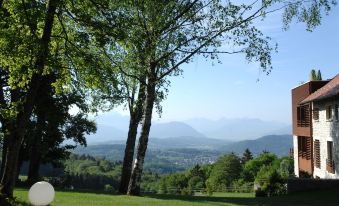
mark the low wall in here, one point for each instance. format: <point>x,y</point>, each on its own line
<point>299,184</point>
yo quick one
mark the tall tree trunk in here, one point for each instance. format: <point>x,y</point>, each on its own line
<point>34,165</point>
<point>134,183</point>
<point>15,134</point>
<point>34,151</point>
<point>4,149</point>
<point>136,115</point>
<point>9,175</point>
<point>20,162</point>
<point>3,104</point>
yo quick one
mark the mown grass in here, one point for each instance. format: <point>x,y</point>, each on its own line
<point>316,198</point>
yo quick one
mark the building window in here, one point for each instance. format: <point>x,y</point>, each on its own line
<point>329,112</point>
<point>316,113</point>
<point>303,116</point>
<point>330,161</point>
<point>336,112</point>
<point>317,153</point>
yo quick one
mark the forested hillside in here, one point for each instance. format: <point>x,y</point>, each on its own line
<point>177,154</point>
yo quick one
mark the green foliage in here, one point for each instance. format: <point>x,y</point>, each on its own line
<point>315,76</point>
<point>247,156</point>
<point>270,182</point>
<point>252,167</point>
<point>226,170</point>
<point>308,12</point>
<point>241,185</point>
<point>229,174</point>
<point>109,189</point>
<point>86,172</point>
<point>319,77</point>
<point>286,169</point>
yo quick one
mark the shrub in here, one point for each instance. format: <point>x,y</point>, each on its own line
<point>209,188</point>
<point>186,191</point>
<point>108,188</point>
<point>270,182</point>
<point>241,186</point>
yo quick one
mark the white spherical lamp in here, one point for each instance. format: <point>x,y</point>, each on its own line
<point>41,194</point>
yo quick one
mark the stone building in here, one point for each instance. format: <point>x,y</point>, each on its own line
<point>316,129</point>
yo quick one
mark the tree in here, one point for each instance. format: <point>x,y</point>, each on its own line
<point>252,167</point>
<point>116,84</point>
<point>313,76</point>
<point>319,77</point>
<point>37,39</point>
<point>308,12</point>
<point>21,66</point>
<point>226,170</point>
<point>44,142</point>
<point>247,156</point>
<point>174,32</point>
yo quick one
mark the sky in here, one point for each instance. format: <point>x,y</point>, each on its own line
<point>232,89</point>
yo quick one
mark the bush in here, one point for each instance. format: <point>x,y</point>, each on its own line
<point>270,182</point>
<point>186,191</point>
<point>108,188</point>
<point>209,188</point>
<point>241,186</point>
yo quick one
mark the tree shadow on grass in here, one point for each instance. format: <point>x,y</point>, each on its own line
<point>316,198</point>
<point>212,200</point>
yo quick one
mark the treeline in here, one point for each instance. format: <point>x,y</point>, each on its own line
<point>89,173</point>
<point>85,172</point>
<point>231,173</point>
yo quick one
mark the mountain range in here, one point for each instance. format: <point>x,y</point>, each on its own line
<point>113,127</point>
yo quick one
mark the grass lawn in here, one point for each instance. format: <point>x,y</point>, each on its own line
<point>316,198</point>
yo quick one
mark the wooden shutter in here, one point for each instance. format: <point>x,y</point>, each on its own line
<point>317,153</point>
<point>316,113</point>
<point>308,148</point>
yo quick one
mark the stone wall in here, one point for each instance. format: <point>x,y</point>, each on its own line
<point>326,130</point>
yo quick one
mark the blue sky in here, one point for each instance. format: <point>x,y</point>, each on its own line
<point>231,89</point>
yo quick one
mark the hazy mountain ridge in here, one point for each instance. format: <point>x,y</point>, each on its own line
<point>278,144</point>
<point>239,128</point>
<point>114,128</point>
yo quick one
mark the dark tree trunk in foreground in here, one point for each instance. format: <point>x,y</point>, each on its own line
<point>136,115</point>
<point>4,146</point>
<point>134,184</point>
<point>10,162</point>
<point>15,133</point>
<point>34,151</point>
<point>34,164</point>
<point>129,154</point>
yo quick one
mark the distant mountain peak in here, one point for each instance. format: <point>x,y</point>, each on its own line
<point>174,129</point>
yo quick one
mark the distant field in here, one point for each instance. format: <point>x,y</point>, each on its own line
<point>321,198</point>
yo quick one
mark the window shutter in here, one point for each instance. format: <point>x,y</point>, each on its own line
<point>317,153</point>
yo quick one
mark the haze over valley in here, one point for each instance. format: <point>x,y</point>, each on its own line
<point>114,126</point>
<point>178,145</point>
